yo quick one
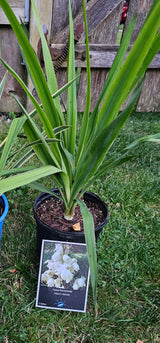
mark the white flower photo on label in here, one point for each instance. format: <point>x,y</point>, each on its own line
<point>63,270</point>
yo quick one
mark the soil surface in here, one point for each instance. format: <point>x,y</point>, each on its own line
<point>51,213</point>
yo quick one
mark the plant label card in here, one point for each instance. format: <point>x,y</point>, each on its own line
<point>63,276</point>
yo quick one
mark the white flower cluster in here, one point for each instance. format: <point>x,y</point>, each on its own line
<point>61,268</point>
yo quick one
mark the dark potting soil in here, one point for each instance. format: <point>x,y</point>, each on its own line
<point>51,213</point>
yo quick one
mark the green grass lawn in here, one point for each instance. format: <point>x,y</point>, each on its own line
<point>128,257</point>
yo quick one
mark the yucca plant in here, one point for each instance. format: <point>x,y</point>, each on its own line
<point>75,163</point>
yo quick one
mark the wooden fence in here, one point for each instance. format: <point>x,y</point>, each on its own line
<point>103,25</point>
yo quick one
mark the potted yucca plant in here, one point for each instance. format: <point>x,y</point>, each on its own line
<point>75,160</point>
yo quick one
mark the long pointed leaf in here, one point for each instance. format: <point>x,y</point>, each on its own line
<point>149,57</point>
<point>50,74</point>
<point>34,134</point>
<point>84,127</point>
<point>59,91</point>
<point>22,54</point>
<point>95,153</point>
<point>71,91</point>
<point>15,171</point>
<point>22,160</point>
<point>44,119</point>
<point>149,138</point>
<point>41,188</point>
<point>26,178</point>
<point>127,75</point>
<point>15,128</point>
<point>2,84</point>
<point>112,74</point>
<point>34,66</point>
<point>91,244</point>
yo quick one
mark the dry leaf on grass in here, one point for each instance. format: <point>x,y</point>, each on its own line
<point>13,271</point>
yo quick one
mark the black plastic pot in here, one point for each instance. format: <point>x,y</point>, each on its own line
<point>46,232</point>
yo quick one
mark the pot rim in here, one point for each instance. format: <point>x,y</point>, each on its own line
<point>41,197</point>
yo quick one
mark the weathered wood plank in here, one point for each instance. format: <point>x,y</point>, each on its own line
<point>11,54</point>
<point>101,55</point>
<point>17,7</point>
